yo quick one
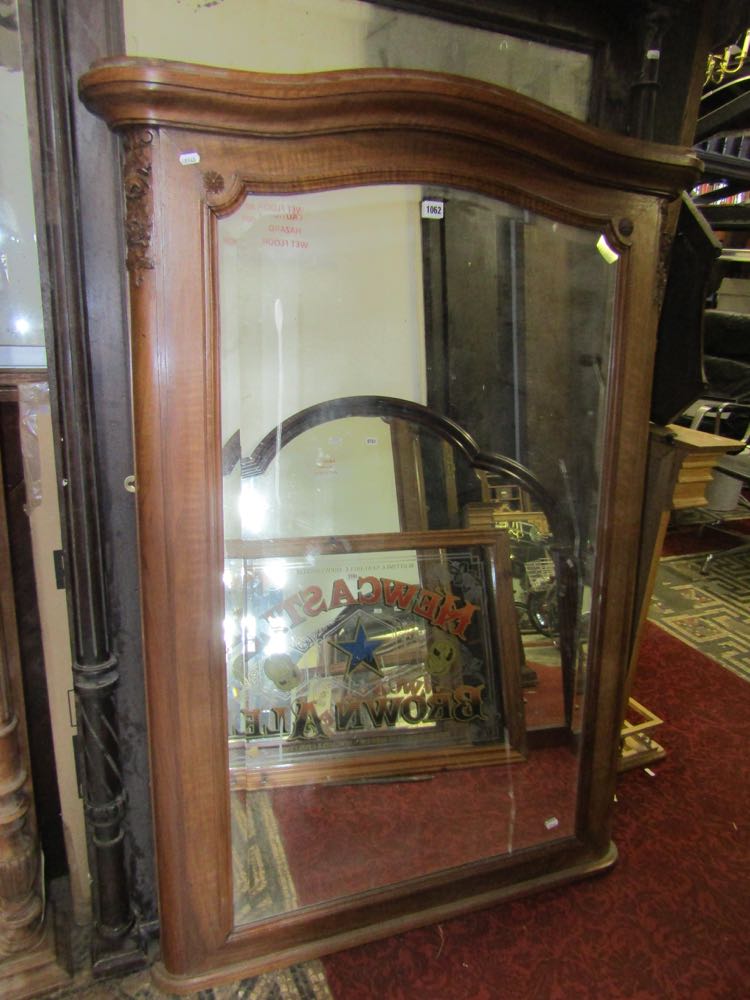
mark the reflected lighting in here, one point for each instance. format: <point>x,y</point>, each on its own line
<point>231,631</point>
<point>250,626</point>
<point>253,510</point>
<point>21,325</point>
<point>234,573</point>
<point>277,572</point>
<point>606,250</point>
<point>278,643</point>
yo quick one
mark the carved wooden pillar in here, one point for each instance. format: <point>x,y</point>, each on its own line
<point>28,963</point>
<point>21,908</point>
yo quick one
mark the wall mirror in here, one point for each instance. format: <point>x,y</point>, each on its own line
<point>391,377</point>
<point>308,284</point>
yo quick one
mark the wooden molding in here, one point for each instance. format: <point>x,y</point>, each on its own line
<point>131,92</point>
<point>138,201</point>
<point>390,922</point>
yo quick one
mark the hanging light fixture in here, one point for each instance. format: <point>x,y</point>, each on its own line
<point>728,62</point>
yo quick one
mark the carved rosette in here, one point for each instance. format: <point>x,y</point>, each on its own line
<point>139,206</point>
<point>213,182</point>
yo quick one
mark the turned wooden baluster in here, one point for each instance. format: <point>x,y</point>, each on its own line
<point>21,906</point>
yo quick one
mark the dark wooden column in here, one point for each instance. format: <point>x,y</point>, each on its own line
<point>95,667</point>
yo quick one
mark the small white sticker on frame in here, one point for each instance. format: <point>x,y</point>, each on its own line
<point>433,208</point>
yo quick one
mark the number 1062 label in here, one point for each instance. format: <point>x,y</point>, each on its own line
<point>433,209</point>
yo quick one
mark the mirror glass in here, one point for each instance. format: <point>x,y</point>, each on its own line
<point>308,36</point>
<point>21,326</point>
<point>413,383</point>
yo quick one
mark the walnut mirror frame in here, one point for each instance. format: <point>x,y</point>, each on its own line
<point>196,141</point>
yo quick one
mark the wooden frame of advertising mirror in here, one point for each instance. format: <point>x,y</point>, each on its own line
<point>199,145</point>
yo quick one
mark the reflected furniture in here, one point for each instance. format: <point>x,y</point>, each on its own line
<point>682,464</point>
<point>282,253</point>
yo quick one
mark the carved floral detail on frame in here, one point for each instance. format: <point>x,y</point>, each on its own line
<point>213,182</point>
<point>138,202</point>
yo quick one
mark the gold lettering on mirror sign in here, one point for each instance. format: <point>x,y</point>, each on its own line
<point>439,609</point>
<point>300,721</point>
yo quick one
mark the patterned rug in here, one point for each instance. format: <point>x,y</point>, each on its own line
<point>263,887</point>
<point>306,981</point>
<point>707,606</point>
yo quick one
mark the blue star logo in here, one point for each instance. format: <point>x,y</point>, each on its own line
<point>361,651</point>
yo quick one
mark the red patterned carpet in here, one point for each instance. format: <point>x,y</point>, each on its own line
<point>693,539</point>
<point>403,831</point>
<point>670,922</point>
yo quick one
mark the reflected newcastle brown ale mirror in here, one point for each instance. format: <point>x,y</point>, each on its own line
<point>392,341</point>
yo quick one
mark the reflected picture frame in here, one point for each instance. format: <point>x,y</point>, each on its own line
<point>377,656</point>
